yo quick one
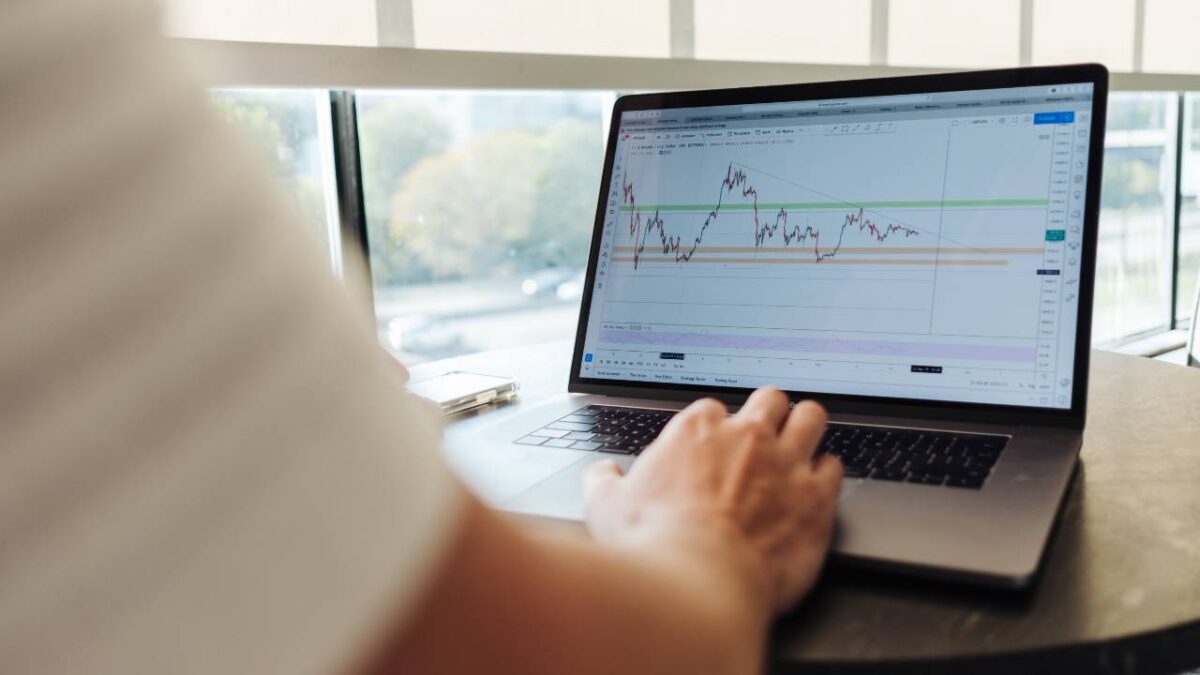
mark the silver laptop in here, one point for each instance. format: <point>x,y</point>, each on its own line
<point>915,253</point>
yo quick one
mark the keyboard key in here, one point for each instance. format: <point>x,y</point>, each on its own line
<point>580,435</point>
<point>550,433</point>
<point>530,440</point>
<point>559,442</point>
<point>987,459</point>
<point>617,449</point>
<point>950,470</point>
<point>585,445</point>
<point>579,419</point>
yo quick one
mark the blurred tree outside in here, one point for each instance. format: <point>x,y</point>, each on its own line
<point>393,137</point>
<point>1132,179</point>
<point>505,202</point>
<point>1136,112</point>
<point>283,125</point>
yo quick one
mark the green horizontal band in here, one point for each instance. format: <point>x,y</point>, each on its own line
<point>796,206</point>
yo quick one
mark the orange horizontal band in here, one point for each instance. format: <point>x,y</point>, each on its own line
<point>813,261</point>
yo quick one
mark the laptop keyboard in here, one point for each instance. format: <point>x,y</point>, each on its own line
<point>914,455</point>
<point>954,459</point>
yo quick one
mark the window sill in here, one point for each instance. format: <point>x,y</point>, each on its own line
<point>1153,345</point>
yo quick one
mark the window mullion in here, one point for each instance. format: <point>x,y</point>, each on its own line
<point>683,29</point>
<point>394,23</point>
<point>1176,211</point>
<point>348,171</point>
<point>1139,35</point>
<point>327,149</point>
<point>879,32</point>
<point>1026,39</point>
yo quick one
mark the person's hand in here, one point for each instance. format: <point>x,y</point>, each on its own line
<point>741,492</point>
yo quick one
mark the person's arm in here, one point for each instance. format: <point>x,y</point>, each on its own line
<point>722,523</point>
<point>507,602</point>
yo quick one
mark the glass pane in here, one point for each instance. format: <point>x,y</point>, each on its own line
<point>285,125</point>
<point>1056,26</point>
<point>480,207</point>
<point>347,22</point>
<point>604,27</point>
<point>954,33</point>
<point>1189,216</point>
<point>808,32</point>
<point>1135,215</point>
<point>1170,42</point>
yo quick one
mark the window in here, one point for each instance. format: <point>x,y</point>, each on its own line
<point>1136,215</point>
<point>291,128</point>
<point>479,209</point>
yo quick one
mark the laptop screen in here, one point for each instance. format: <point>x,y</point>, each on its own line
<point>922,246</point>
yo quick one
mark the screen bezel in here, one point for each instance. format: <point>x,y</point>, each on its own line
<point>1073,417</point>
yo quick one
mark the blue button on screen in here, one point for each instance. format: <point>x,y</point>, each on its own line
<point>1065,117</point>
<point>587,358</point>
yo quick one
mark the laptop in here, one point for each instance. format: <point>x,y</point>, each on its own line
<point>915,253</point>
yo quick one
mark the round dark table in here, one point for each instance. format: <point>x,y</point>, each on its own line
<point>1119,590</point>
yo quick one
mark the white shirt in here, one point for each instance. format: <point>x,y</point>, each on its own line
<point>207,464</point>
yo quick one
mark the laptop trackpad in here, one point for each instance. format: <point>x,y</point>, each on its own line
<point>561,495</point>
<point>499,471</point>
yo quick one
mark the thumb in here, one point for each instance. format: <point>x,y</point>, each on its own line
<point>598,478</point>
